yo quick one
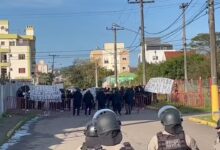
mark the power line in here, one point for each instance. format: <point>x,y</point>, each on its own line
<point>188,22</point>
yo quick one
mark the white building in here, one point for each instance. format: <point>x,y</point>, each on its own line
<point>155,50</point>
<point>41,67</point>
<point>105,57</point>
<point>17,53</point>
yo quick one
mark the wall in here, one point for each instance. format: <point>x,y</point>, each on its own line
<point>150,54</point>
<point>7,92</point>
<point>16,63</point>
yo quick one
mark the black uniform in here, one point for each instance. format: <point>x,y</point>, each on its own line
<point>101,98</point>
<point>77,100</point>
<point>117,102</point>
<point>88,100</point>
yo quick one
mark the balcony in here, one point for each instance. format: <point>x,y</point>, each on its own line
<point>4,63</point>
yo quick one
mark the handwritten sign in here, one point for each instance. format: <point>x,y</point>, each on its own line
<point>159,85</point>
<point>45,93</point>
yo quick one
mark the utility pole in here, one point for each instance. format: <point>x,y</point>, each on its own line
<point>214,86</point>
<point>115,28</point>
<point>96,73</point>
<point>52,69</point>
<point>142,34</point>
<point>184,6</point>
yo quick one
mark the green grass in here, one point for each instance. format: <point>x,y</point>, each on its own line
<point>183,109</point>
<point>3,117</point>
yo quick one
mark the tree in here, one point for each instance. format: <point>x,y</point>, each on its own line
<point>201,42</point>
<point>45,79</point>
<point>197,66</point>
<point>82,74</point>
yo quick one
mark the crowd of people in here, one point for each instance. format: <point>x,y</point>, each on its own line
<point>115,99</point>
<point>90,99</point>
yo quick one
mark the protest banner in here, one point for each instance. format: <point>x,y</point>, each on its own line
<point>45,93</point>
<point>159,85</point>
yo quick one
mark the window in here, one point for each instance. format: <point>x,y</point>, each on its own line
<point>106,61</point>
<point>2,27</point>
<point>12,43</point>
<point>2,42</point>
<point>124,58</point>
<point>20,41</point>
<point>21,70</point>
<point>3,72</point>
<point>123,68</point>
<point>164,48</point>
<point>155,57</point>
<point>21,56</point>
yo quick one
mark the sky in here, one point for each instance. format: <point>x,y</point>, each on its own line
<point>70,29</point>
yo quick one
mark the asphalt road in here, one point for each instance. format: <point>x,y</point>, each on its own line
<point>62,131</point>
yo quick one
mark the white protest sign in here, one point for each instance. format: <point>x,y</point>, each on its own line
<point>159,85</point>
<point>45,93</point>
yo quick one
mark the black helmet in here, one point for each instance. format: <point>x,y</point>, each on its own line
<point>90,130</point>
<point>218,124</point>
<point>108,127</point>
<point>105,120</point>
<point>170,116</point>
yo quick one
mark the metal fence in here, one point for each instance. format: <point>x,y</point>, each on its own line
<point>197,93</point>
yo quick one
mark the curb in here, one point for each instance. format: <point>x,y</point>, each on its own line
<point>11,132</point>
<point>152,107</point>
<point>211,124</point>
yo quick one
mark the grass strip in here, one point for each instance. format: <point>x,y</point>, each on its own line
<point>183,109</point>
<point>11,132</point>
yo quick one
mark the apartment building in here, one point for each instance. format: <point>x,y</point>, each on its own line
<point>17,53</point>
<point>105,57</point>
<point>41,67</point>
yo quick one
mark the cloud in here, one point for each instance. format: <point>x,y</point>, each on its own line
<point>33,3</point>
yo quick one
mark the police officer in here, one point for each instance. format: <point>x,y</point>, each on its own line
<point>91,138</point>
<point>173,136</point>
<point>106,132</point>
<point>217,142</point>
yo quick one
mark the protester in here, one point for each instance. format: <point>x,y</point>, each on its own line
<point>77,100</point>
<point>89,101</point>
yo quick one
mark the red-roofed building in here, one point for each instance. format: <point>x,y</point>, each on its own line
<point>171,55</point>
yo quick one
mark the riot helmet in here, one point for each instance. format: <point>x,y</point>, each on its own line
<point>90,130</point>
<point>170,117</point>
<point>91,139</point>
<point>108,127</point>
<point>172,121</point>
<point>162,109</point>
<point>106,120</point>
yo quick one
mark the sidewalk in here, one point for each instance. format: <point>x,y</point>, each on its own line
<point>203,122</point>
<point>13,120</point>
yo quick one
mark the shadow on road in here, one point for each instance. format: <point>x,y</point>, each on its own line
<point>61,130</point>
